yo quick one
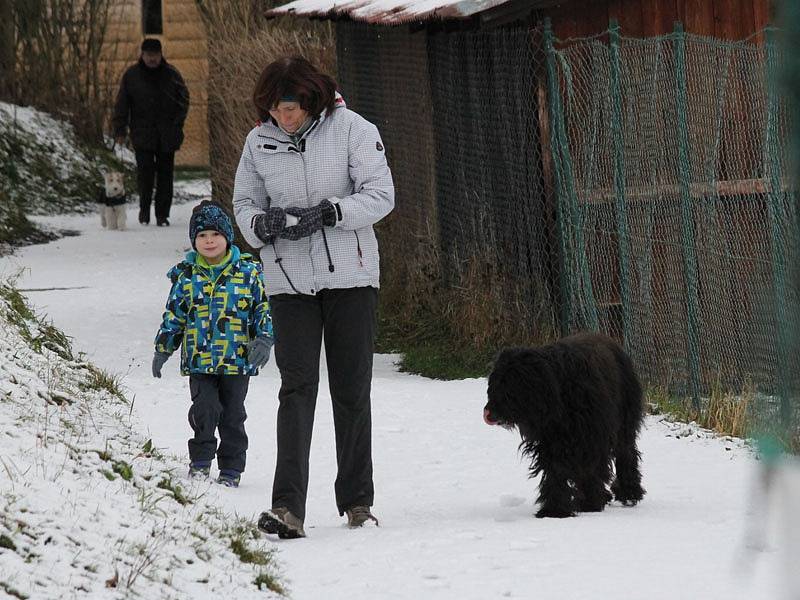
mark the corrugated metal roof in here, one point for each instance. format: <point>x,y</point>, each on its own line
<point>389,12</point>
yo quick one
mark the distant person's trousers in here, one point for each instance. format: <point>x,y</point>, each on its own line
<point>155,168</point>
<point>218,404</point>
<point>345,319</point>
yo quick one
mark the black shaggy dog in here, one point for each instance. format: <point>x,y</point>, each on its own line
<point>578,405</point>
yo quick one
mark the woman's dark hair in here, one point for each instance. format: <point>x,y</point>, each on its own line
<point>294,76</point>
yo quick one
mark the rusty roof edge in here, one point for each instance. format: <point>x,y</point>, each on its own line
<point>290,8</point>
<point>358,10</point>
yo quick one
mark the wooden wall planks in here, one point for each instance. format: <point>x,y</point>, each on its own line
<point>726,19</point>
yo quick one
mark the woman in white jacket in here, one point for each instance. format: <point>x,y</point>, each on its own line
<point>311,183</point>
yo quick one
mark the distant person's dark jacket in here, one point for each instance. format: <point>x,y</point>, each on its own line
<point>153,103</point>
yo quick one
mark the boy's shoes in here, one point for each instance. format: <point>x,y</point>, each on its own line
<point>229,478</point>
<point>199,469</point>
<point>283,522</point>
<point>358,515</point>
<point>144,217</point>
<point>162,223</point>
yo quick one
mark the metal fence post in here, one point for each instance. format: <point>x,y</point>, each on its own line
<point>776,217</point>
<point>568,212</point>
<point>687,220</point>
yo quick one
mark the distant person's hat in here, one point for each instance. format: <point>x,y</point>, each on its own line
<point>151,45</point>
<point>210,216</point>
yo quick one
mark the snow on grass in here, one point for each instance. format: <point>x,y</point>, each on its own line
<point>44,164</point>
<point>88,507</point>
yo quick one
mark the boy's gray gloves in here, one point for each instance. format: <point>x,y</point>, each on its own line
<point>258,351</point>
<point>311,220</point>
<point>159,358</point>
<point>267,225</point>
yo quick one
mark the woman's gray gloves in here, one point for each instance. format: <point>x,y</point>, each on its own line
<point>271,223</point>
<point>159,358</point>
<point>311,220</point>
<point>258,351</point>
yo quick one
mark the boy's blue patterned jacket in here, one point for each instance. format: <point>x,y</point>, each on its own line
<point>213,320</point>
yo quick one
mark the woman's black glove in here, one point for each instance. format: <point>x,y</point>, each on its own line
<point>311,220</point>
<point>269,224</point>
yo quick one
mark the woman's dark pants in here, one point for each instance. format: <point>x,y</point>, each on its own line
<point>345,320</point>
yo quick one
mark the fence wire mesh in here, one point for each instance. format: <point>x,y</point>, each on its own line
<point>459,114</point>
<point>677,217</point>
<point>638,187</point>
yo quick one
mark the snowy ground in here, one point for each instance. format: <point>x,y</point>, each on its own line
<point>451,493</point>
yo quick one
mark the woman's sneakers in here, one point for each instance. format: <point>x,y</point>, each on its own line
<point>283,522</point>
<point>358,515</point>
<point>229,478</point>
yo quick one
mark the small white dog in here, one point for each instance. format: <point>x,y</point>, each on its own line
<point>112,201</point>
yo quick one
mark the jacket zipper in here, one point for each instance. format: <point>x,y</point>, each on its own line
<point>211,297</point>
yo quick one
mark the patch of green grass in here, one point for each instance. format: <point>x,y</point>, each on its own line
<point>191,173</point>
<point>443,361</point>
<point>54,340</point>
<point>250,555</point>
<point>266,579</point>
<point>11,591</point>
<point>247,543</point>
<point>7,542</point>
<point>176,490</point>
<point>99,379</point>
<point>123,469</point>
<point>16,302</point>
<point>108,474</point>
<point>37,332</point>
<point>430,350</point>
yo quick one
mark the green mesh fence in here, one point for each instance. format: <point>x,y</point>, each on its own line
<point>639,187</point>
<point>678,221</point>
<point>469,239</point>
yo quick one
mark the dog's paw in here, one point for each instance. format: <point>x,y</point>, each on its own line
<point>630,501</point>
<point>553,513</point>
<point>629,495</point>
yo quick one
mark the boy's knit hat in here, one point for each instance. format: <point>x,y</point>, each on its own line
<point>210,215</point>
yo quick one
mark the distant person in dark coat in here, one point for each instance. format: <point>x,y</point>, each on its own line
<point>153,101</point>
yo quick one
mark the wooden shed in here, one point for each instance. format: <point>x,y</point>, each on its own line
<point>177,23</point>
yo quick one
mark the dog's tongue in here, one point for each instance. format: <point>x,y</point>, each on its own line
<point>487,417</point>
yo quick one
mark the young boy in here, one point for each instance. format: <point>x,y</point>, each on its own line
<point>217,312</point>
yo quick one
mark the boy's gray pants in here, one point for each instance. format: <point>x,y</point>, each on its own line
<point>218,403</point>
<point>345,318</point>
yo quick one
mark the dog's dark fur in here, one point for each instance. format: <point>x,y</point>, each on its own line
<point>578,405</point>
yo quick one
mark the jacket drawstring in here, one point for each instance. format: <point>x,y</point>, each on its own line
<point>327,250</point>
<point>279,261</point>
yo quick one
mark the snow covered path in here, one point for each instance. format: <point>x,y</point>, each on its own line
<point>452,494</point>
